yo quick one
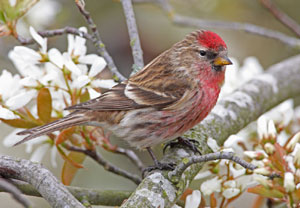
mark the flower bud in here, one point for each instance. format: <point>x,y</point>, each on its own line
<point>262,127</point>
<point>272,130</point>
<point>289,183</point>
<point>255,155</point>
<point>231,192</point>
<point>269,148</point>
<point>262,171</point>
<point>292,143</point>
<point>297,159</point>
<point>263,180</point>
<point>193,200</point>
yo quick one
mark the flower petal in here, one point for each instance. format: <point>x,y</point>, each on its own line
<point>56,57</point>
<point>39,153</point>
<point>193,200</point>
<point>7,114</point>
<point>80,81</point>
<point>103,83</point>
<point>18,101</point>
<point>39,39</point>
<point>98,65</point>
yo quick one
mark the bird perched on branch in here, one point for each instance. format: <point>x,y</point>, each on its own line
<point>167,97</point>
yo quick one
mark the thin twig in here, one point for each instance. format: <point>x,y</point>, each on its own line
<point>132,156</point>
<point>93,196</point>
<point>246,27</point>
<point>250,28</point>
<point>52,33</point>
<point>100,47</point>
<point>7,186</point>
<point>282,16</point>
<point>135,44</point>
<point>107,165</point>
<point>209,157</point>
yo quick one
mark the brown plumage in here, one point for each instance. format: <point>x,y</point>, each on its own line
<point>169,96</point>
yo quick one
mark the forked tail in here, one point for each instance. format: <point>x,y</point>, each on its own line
<point>73,119</point>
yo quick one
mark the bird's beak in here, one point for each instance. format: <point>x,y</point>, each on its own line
<point>222,60</point>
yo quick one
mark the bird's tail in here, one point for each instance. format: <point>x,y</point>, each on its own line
<point>73,119</point>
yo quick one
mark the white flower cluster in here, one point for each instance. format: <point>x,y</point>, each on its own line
<point>62,73</point>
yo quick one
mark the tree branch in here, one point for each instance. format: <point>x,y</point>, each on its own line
<point>93,196</point>
<point>230,115</point>
<point>100,47</point>
<point>180,168</point>
<point>281,16</point>
<point>132,156</point>
<point>56,32</point>
<point>246,27</point>
<point>8,186</point>
<point>135,44</point>
<point>106,165</point>
<point>40,178</point>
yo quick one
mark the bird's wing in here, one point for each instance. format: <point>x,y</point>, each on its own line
<point>148,88</point>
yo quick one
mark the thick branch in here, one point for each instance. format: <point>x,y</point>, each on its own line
<point>229,116</point>
<point>93,196</point>
<point>281,16</point>
<point>100,47</point>
<point>40,178</point>
<point>135,44</point>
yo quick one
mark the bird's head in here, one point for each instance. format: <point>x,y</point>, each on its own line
<point>206,54</point>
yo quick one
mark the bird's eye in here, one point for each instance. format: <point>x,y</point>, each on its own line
<point>202,53</point>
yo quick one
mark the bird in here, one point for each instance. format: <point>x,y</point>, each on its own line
<point>169,96</point>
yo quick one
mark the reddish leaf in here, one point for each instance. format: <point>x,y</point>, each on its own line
<point>65,135</point>
<point>213,201</point>
<point>20,123</point>
<point>266,192</point>
<point>85,96</point>
<point>44,105</point>
<point>187,192</point>
<point>258,202</point>
<point>69,170</point>
<point>278,158</point>
<point>68,159</point>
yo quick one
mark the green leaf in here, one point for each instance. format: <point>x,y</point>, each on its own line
<point>44,105</point>
<point>19,123</point>
<point>69,170</point>
<point>85,96</point>
<point>14,12</point>
<point>266,192</point>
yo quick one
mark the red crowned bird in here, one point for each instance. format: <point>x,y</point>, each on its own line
<point>166,98</point>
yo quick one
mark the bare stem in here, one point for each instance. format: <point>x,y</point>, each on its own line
<point>209,157</point>
<point>8,186</point>
<point>56,32</point>
<point>100,47</point>
<point>132,156</point>
<point>107,165</point>
<point>246,27</point>
<point>135,44</point>
<point>282,16</point>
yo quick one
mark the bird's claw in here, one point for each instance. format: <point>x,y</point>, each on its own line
<point>158,166</point>
<point>190,143</point>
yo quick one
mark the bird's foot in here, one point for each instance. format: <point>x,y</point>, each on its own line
<point>190,143</point>
<point>158,166</point>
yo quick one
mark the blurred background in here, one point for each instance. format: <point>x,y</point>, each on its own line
<point>157,33</point>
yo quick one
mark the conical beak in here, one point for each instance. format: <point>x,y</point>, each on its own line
<point>222,60</point>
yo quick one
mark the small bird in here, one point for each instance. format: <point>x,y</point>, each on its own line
<point>166,98</point>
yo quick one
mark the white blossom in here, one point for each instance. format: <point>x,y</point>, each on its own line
<point>20,100</point>
<point>103,83</point>
<point>292,143</point>
<point>289,183</point>
<point>262,171</point>
<point>212,143</point>
<point>7,114</point>
<point>230,192</point>
<point>262,128</point>
<point>39,39</point>
<point>211,185</point>
<point>270,148</point>
<point>97,66</point>
<point>8,81</point>
<point>193,200</point>
<point>39,153</point>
